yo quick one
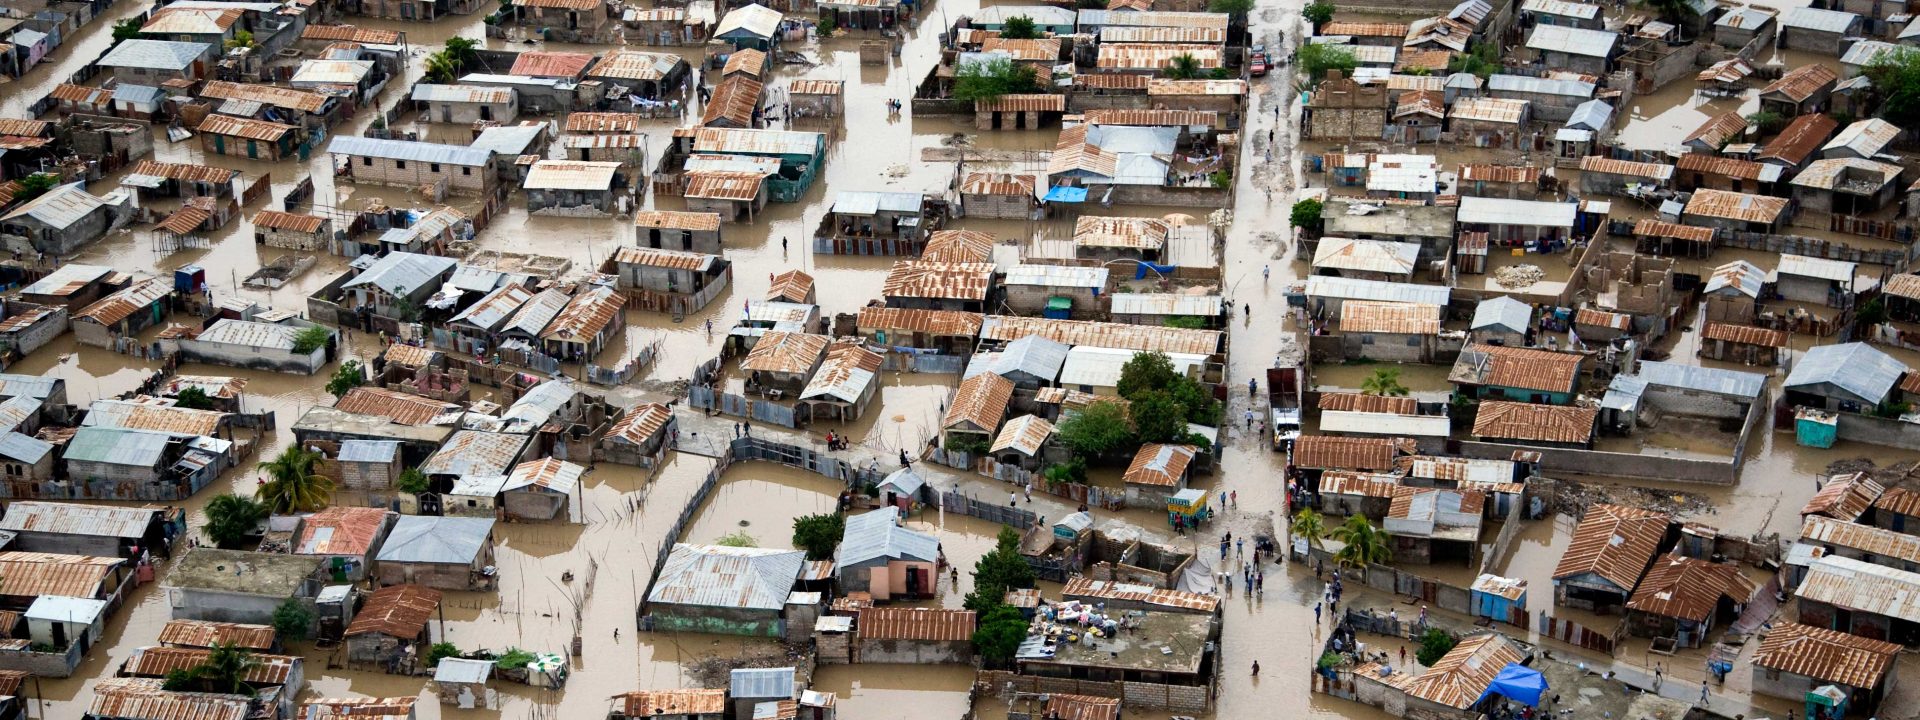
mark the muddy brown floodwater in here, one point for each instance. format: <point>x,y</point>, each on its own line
<point>627,513</point>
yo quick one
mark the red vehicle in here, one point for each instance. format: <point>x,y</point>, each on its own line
<point>1258,65</point>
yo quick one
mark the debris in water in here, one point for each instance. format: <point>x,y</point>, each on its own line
<point>1514,277</point>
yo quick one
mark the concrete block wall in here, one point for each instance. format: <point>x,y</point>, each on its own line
<point>1194,698</point>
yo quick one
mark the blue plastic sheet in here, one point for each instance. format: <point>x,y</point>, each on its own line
<point>1066,194</point>
<point>1519,683</point>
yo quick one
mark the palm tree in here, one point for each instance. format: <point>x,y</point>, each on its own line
<point>461,51</point>
<point>1384,382</point>
<point>441,68</point>
<point>294,487</point>
<point>1310,525</point>
<point>226,667</point>
<point>1365,544</point>
<point>1183,67</point>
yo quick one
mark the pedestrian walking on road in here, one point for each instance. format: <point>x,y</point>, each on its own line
<point>1316,621</point>
<point>1266,272</point>
<point>1703,691</point>
<point>1256,668</point>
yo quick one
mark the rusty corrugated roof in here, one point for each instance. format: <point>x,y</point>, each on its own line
<point>1689,588</point>
<point>987,183</point>
<point>1024,102</point>
<point>1536,423</point>
<point>1081,586</point>
<point>981,400</point>
<point>281,97</point>
<point>1802,82</point>
<point>1826,655</point>
<point>184,172</point>
<point>734,101</point>
<point>585,315</point>
<point>1062,706</point>
<point>145,698</point>
<point>1801,138</point>
<point>157,661</point>
<point>403,408</point>
<point>400,611</point>
<point>918,624</point>
<point>791,286</point>
<point>1120,232</point>
<point>1614,166</point>
<point>389,708</point>
<point>1358,402</point>
<point>340,530</point>
<point>547,64</point>
<point>1718,130</point>
<point>295,222</point>
<point>677,220</point>
<point>1395,318</point>
<point>723,184</point>
<point>248,128</point>
<point>129,300</point>
<point>1530,369</point>
<point>1649,227</point>
<point>605,122</point>
<point>1614,542</point>
<point>205,634</point>
<point>814,87</point>
<point>370,36</point>
<point>1159,465</point>
<point>1347,453</point>
<point>1459,678</point>
<point>641,422</point>
<point>938,280</point>
<point>1736,206</point>
<point>1745,335</point>
<point>1347,482</point>
<point>786,352</point>
<point>678,703</point>
<point>940,323</point>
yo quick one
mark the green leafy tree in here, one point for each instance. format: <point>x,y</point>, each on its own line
<point>345,378</point>
<point>1434,644</point>
<point>35,185</point>
<point>1072,471</point>
<point>441,651</point>
<point>988,80</point>
<point>127,29</point>
<point>1673,11</point>
<point>1096,430</point>
<point>241,39</point>
<point>1158,418</point>
<point>1146,371</point>
<point>1896,77</point>
<point>193,398</point>
<point>1767,121</point>
<point>311,338</point>
<point>411,481</point>
<point>1384,382</point>
<point>1000,570</point>
<point>1318,59</point>
<point>1231,7</point>
<point>818,534</point>
<point>463,51</point>
<point>231,518</point>
<point>739,539</point>
<point>1483,60</point>
<point>1873,312</point>
<point>1306,215</point>
<point>441,68</point>
<point>1019,27</point>
<point>1364,544</point>
<point>1185,322</point>
<point>292,620</point>
<point>225,669</point>
<point>1310,524</point>
<point>1183,67</point>
<point>827,25</point>
<point>1318,13</point>
<point>999,633</point>
<point>292,485</point>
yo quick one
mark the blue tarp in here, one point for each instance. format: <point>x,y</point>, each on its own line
<point>1141,267</point>
<point>1519,683</point>
<point>1066,194</point>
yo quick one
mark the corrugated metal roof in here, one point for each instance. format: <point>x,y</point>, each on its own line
<point>536,312</point>
<point>1323,286</point>
<point>1800,83</point>
<point>369,451</point>
<point>605,122</point>
<point>641,422</point>
<point>1731,70</point>
<point>294,222</point>
<point>1746,17</point>
<point>400,407</point>
<point>981,400</point>
<point>734,100</point>
<point>1816,19</point>
<point>670,259</point>
<point>27,516</point>
<point>1025,434</point>
<point>204,634</point>
<point>1392,258</point>
<point>759,683</point>
<point>1745,335</point>
<point>1351,28</point>
<point>1343,482</point>
<point>1523,368</point>
<point>1826,655</point>
<point>921,279</point>
<point>1540,86</point>
<point>1855,368</point>
<point>408,150</point>
<point>1062,276</point>
<point>350,33</point>
<point>156,661</point>
<point>1600,318</point>
<point>1028,102</point>
<point>1149,34</point>
<point>473,452</point>
<point>1460,677</point>
<point>939,323</point>
<point>60,207</point>
<point>1159,465</point>
<point>1116,336</point>
<point>1103,367</point>
<point>1082,707</point>
<point>1904,285</point>
<point>340,530</point>
<point>1865,138</point>
<point>1150,18</point>
<point>1745,207</point>
<point>1509,588</point>
<point>1862,587</point>
<point>677,703</point>
<point>1804,135</point>
<point>428,92</point>
<point>27,574</point>
<point>1819,268</point>
<point>1151,117</point>
<point>1649,227</point>
<point>636,65</point>
<point>391,708</point>
<point>860,202</point>
<point>1562,8</point>
<point>786,352</point>
<point>1081,586</point>
<point>266,336</point>
<point>24,448</point>
<point>1362,316</point>
<point>677,220</point>
<point>399,273</point>
<point>1688,588</point>
<point>1612,166</point>
<point>877,535</point>
<point>1899,501</point>
<point>806,86</point>
<point>1505,211</point>
<point>1572,40</point>
<point>1357,402</point>
<point>282,97</point>
<point>1614,542</point>
<point>727,577</point>
<point>1165,304</point>
<point>1856,176</point>
<point>1156,56</point>
<point>145,698</point>
<point>116,446</point>
<point>1739,275</point>
<point>1881,544</point>
<point>67,280</point>
<point>723,185</point>
<point>332,72</point>
<point>400,611</point>
<point>1120,232</point>
<point>845,375</point>
<point>441,540</point>
<point>154,54</point>
<point>1349,453</point>
<point>756,142</point>
<point>570,175</point>
<point>1536,423</point>
<point>1503,313</point>
<point>149,416</point>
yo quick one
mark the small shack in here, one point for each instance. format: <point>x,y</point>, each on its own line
<point>391,632</point>
<point>542,489</point>
<point>448,553</point>
<point>462,682</point>
<point>1157,471</point>
<point>878,556</point>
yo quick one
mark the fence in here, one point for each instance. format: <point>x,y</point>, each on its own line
<point>680,523</point>
<point>1578,635</point>
<point>1503,542</point>
<point>922,363</point>
<point>1897,232</point>
<point>954,501</point>
<point>626,371</point>
<point>819,463</point>
<point>705,397</point>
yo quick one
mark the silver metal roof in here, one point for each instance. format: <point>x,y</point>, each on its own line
<point>377,451</point>
<point>33,386</point>
<point>1344,288</point>
<point>428,92</point>
<point>488,312</point>
<point>400,273</point>
<point>761,683</point>
<point>117,446</point>
<point>1065,276</point>
<point>1813,267</point>
<point>154,54</point>
<point>229,331</point>
<point>508,139</point>
<point>1855,368</point>
<point>727,577</point>
<point>462,670</point>
<point>427,539</point>
<point>1572,40</point>
<point>1165,304</point>
<point>1811,18</point>
<point>862,202</point>
<point>473,452</point>
<point>1541,86</point>
<point>1624,391</point>
<point>73,519</point>
<point>24,448</point>
<point>1743,276</point>
<point>1595,115</point>
<point>54,282</point>
<point>1506,211</point>
<point>1039,14</point>
<point>408,150</point>
<point>1503,313</point>
<point>877,535</point>
<point>65,609</point>
<point>60,207</point>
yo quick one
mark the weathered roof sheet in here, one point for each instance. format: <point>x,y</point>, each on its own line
<point>1120,232</point>
<point>727,577</point>
<point>1362,316</point>
<point>28,574</point>
<point>408,150</point>
<point>473,452</point>
<point>67,280</point>
<point>845,375</point>
<point>1505,211</point>
<point>145,698</point>
<point>1810,18</point>
<point>1862,587</point>
<point>676,220</point>
<point>678,703</point>
<point>1745,207</point>
<point>403,408</point>
<point>786,352</point>
<point>1855,368</point>
<point>204,634</point>
<point>1081,586</point>
<point>1504,313</point>
<point>1745,334</point>
<point>439,540</point>
<point>400,273</point>
<point>341,530</point>
<point>1346,453</point>
<point>1159,465</point>
<point>1612,166</point>
<point>945,323</point>
<point>1115,336</point>
<point>1865,138</point>
<point>922,279</point>
<point>1689,588</point>
<point>981,400</point>
<point>1614,542</point>
<point>1459,678</point>
<point>133,415</point>
<point>1572,40</point>
<point>28,516</point>
<point>877,535</point>
<point>400,611</point>
<point>60,207</point>
<point>586,315</point>
<point>1026,434</point>
<point>154,54</point>
<point>1391,258</point>
<point>1858,176</point>
<point>961,246</point>
<point>1324,286</point>
<point>1537,423</point>
<point>1801,138</point>
<point>1826,655</point>
<point>641,422</point>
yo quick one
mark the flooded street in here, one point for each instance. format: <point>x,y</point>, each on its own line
<point>627,511</point>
